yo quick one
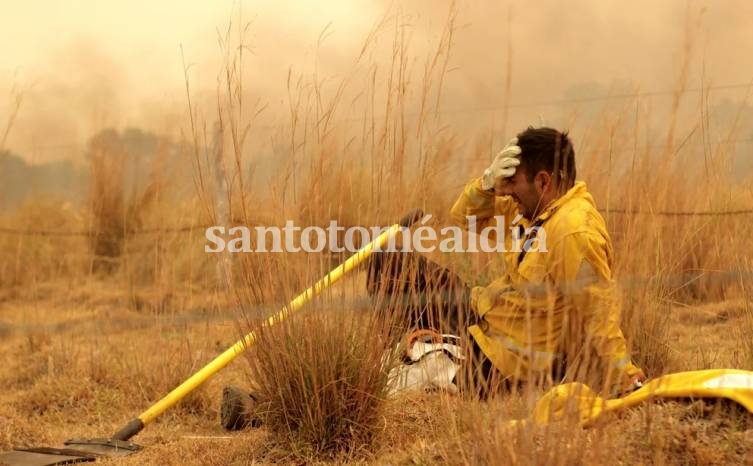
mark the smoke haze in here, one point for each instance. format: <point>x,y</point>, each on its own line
<point>85,66</point>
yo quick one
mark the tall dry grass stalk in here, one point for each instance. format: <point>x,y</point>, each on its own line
<point>745,340</point>
<point>746,330</point>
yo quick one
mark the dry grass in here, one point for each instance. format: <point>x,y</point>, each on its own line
<point>87,351</point>
<point>321,382</point>
<point>83,363</point>
<point>661,433</point>
<point>30,259</point>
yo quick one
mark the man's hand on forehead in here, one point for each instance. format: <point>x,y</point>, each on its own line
<point>503,166</point>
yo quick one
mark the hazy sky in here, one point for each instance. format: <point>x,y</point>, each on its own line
<point>85,65</point>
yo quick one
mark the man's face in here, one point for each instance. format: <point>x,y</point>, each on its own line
<point>522,191</point>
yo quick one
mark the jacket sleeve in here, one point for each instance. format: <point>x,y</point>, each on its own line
<point>581,269</point>
<point>484,206</point>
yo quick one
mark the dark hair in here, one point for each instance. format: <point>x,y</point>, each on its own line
<point>549,150</point>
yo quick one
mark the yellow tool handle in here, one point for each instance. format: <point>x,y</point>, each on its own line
<point>178,393</point>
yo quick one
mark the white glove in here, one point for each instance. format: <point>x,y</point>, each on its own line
<point>503,165</point>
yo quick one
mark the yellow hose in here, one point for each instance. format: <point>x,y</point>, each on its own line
<point>294,305</point>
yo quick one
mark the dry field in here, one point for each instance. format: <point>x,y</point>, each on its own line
<point>81,362</point>
<point>108,305</point>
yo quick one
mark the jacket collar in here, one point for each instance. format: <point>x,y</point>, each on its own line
<point>577,191</point>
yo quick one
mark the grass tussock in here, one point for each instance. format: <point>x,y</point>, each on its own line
<point>118,205</point>
<point>321,381</point>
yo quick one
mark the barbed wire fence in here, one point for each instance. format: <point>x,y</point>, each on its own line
<point>203,227</point>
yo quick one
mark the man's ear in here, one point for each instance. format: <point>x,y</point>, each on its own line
<point>542,181</point>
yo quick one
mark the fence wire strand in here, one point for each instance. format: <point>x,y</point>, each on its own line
<point>199,228</point>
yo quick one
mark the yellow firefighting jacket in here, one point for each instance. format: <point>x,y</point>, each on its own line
<point>557,305</point>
